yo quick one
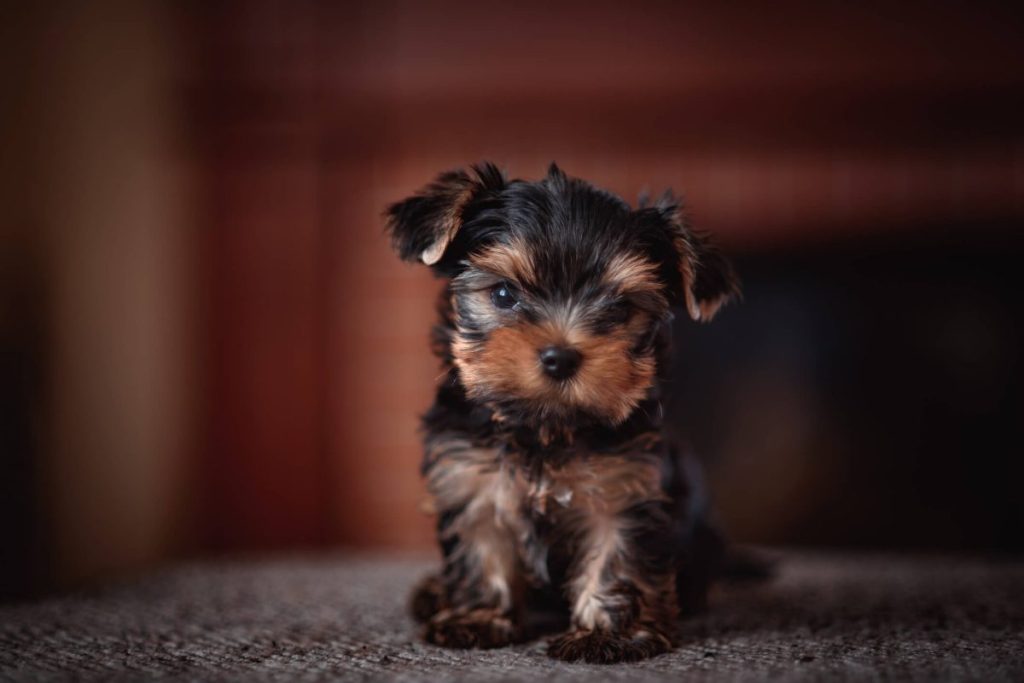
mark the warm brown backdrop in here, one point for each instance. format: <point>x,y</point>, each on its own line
<point>284,359</point>
<point>779,128</point>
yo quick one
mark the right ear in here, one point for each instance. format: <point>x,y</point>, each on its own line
<point>423,226</point>
<point>707,278</point>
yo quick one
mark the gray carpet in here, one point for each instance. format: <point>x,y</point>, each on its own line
<point>824,617</point>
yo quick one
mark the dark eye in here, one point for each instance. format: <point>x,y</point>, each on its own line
<point>504,297</point>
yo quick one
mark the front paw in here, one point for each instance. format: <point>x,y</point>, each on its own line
<point>608,647</point>
<point>480,628</point>
<point>428,598</point>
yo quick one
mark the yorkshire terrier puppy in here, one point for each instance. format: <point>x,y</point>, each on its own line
<point>545,456</point>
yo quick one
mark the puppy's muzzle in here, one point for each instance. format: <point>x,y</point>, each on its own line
<point>560,362</point>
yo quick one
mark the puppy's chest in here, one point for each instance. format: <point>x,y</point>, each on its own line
<point>547,495</point>
<point>521,493</point>
<point>523,499</point>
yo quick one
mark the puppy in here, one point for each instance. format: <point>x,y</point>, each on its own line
<point>545,458</point>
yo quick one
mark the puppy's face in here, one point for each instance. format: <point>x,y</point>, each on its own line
<point>551,323</point>
<point>558,289</point>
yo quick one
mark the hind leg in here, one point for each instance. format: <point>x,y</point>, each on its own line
<point>698,565</point>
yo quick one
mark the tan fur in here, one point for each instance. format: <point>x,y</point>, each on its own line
<point>601,488</point>
<point>477,481</point>
<point>687,266</point>
<point>699,310</point>
<point>610,382</point>
<point>548,485</point>
<point>603,545</point>
<point>511,261</point>
<point>586,495</point>
<point>607,484</point>
<point>449,226</point>
<point>632,273</point>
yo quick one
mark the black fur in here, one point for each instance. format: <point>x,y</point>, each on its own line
<point>571,235</point>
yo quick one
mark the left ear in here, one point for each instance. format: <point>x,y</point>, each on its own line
<point>708,278</point>
<point>423,226</point>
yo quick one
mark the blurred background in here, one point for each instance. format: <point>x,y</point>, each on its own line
<point>208,348</point>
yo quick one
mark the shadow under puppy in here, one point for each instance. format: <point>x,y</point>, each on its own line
<point>545,456</point>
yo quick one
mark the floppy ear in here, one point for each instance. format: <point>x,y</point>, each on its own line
<point>707,277</point>
<point>424,225</point>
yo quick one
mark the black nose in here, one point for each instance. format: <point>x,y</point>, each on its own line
<point>559,362</point>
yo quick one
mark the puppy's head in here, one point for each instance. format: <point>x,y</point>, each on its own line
<point>559,289</point>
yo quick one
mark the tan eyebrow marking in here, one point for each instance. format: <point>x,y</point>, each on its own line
<point>632,273</point>
<point>511,260</point>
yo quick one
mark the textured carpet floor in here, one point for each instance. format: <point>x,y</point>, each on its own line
<point>824,617</point>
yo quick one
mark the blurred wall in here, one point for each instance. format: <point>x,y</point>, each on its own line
<point>828,126</point>
<point>98,242</point>
<point>215,350</point>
